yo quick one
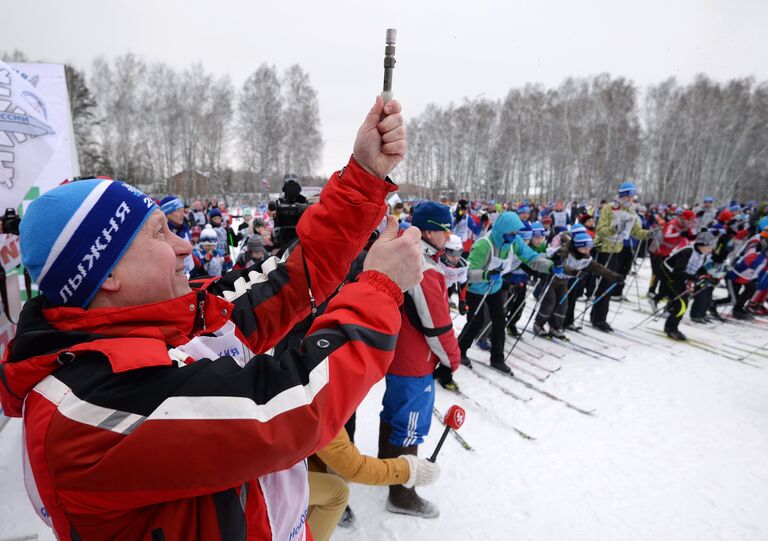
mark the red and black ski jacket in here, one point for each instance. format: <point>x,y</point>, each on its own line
<point>160,422</point>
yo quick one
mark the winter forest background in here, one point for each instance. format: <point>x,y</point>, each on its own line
<point>145,122</point>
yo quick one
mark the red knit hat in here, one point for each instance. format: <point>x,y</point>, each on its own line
<point>725,216</point>
<point>687,215</point>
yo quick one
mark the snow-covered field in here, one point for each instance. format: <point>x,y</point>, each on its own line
<point>676,449</point>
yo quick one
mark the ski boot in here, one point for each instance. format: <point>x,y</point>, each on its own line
<point>512,331</point>
<point>501,367</point>
<point>403,500</point>
<point>465,361</point>
<point>573,327</point>
<point>484,344</point>
<point>674,334</point>
<point>444,377</point>
<point>715,315</point>
<point>348,518</point>
<point>539,330</point>
<point>699,320</point>
<point>557,333</point>
<point>741,314</point>
<point>602,326</point>
<point>653,301</point>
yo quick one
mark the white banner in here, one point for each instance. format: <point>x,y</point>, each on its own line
<point>10,255</point>
<point>50,81</point>
<point>27,136</point>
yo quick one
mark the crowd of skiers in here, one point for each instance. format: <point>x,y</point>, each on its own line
<point>486,261</point>
<point>176,372</point>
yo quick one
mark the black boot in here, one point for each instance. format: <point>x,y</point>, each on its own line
<point>673,332</point>
<point>385,432</point>
<point>602,326</point>
<point>465,360</point>
<point>501,367</point>
<point>405,501</point>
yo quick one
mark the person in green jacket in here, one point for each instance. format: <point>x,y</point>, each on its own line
<point>617,222</point>
<point>492,256</point>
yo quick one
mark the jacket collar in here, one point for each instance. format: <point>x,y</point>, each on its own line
<point>129,337</point>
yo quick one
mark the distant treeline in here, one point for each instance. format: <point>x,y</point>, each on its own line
<point>581,139</point>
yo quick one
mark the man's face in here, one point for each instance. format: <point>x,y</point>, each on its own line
<point>538,240</point>
<point>583,250</point>
<point>625,201</point>
<point>152,269</point>
<point>216,220</point>
<point>523,216</point>
<point>437,238</point>
<point>177,216</point>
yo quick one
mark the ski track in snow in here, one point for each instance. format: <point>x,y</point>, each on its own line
<point>677,448</point>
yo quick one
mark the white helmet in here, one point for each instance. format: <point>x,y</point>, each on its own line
<point>208,235</point>
<point>453,246</point>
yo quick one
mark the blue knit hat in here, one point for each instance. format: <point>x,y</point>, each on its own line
<point>537,229</point>
<point>169,203</point>
<point>431,216</point>
<point>214,212</point>
<point>627,189</point>
<point>74,235</point>
<point>581,240</point>
<point>577,228</point>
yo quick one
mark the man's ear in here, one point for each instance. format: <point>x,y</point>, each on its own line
<point>111,284</point>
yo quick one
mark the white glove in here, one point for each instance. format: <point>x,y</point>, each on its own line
<point>423,472</point>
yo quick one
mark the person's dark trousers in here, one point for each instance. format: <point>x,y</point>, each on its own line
<point>677,307</point>
<point>656,262</point>
<point>599,312</point>
<point>517,304</point>
<point>626,258</point>
<point>701,302</point>
<point>484,316</point>
<point>550,309</point>
<point>742,293</point>
<point>495,304</point>
<point>575,293</point>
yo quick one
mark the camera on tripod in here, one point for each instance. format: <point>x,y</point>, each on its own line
<point>10,221</point>
<point>290,207</point>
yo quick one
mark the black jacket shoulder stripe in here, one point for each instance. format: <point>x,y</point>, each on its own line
<point>262,379</point>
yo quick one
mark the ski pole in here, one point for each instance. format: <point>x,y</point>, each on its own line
<point>389,63</point>
<point>594,302</point>
<point>535,307</point>
<point>482,301</point>
<point>503,308</point>
<point>565,297</point>
<point>453,419</point>
<point>634,278</point>
<point>597,286</point>
<point>659,310</point>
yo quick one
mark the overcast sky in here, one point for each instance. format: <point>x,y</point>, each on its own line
<point>446,49</point>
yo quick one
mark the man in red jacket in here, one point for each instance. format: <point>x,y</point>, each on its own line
<point>675,233</point>
<point>148,412</point>
<point>426,341</point>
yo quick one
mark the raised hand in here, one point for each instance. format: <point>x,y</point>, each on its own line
<point>380,144</point>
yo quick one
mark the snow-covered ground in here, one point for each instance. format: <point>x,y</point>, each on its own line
<point>676,449</point>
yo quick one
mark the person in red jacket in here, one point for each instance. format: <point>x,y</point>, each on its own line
<point>674,234</point>
<point>426,340</point>
<point>148,410</point>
